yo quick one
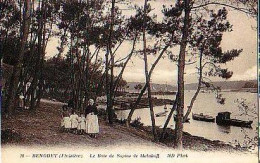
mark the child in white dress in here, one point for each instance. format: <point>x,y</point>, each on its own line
<point>81,124</point>
<point>74,121</point>
<point>66,120</point>
<point>21,101</point>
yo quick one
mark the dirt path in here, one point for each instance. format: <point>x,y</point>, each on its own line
<point>43,128</point>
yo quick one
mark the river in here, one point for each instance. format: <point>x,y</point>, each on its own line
<point>206,103</point>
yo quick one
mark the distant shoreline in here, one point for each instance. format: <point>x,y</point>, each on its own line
<point>242,86</point>
<point>249,90</point>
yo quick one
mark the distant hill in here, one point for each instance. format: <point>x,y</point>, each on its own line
<point>225,85</point>
<point>155,87</point>
<point>231,85</point>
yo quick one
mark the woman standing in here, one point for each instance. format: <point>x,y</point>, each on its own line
<point>92,127</point>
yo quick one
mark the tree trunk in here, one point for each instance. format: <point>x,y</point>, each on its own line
<point>197,91</point>
<point>169,117</point>
<point>38,59</point>
<point>119,77</point>
<point>87,76</point>
<point>144,88</point>
<point>147,75</point>
<point>41,78</point>
<point>107,91</point>
<point>191,103</point>
<point>12,92</point>
<point>181,67</point>
<point>109,85</point>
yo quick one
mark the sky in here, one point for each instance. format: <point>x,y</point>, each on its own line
<point>243,36</point>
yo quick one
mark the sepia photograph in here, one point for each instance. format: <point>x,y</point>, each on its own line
<point>129,81</point>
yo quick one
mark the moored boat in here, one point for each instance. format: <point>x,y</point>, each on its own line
<point>161,114</point>
<point>202,117</point>
<point>223,118</point>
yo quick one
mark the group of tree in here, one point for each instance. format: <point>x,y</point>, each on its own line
<point>26,27</point>
<point>90,32</point>
<point>77,69</point>
<point>196,29</point>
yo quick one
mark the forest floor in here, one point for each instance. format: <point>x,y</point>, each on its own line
<point>42,128</point>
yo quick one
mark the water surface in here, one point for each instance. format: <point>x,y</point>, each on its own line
<point>206,103</point>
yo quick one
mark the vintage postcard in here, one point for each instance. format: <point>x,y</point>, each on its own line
<point>129,81</point>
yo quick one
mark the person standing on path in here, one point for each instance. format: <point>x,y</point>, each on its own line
<point>74,121</point>
<point>81,124</point>
<point>92,126</point>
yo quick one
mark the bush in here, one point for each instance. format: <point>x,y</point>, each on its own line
<point>137,123</point>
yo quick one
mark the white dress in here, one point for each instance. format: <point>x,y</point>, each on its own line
<point>21,97</point>
<point>122,115</point>
<point>62,122</point>
<point>92,126</point>
<point>74,120</point>
<point>67,122</point>
<point>81,123</point>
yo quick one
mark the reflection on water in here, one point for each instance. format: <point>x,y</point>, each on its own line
<point>224,129</point>
<point>206,104</point>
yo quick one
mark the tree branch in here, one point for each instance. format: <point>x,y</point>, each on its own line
<point>226,5</point>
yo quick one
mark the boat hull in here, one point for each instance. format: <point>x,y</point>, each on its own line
<point>234,122</point>
<point>161,114</point>
<point>204,118</point>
